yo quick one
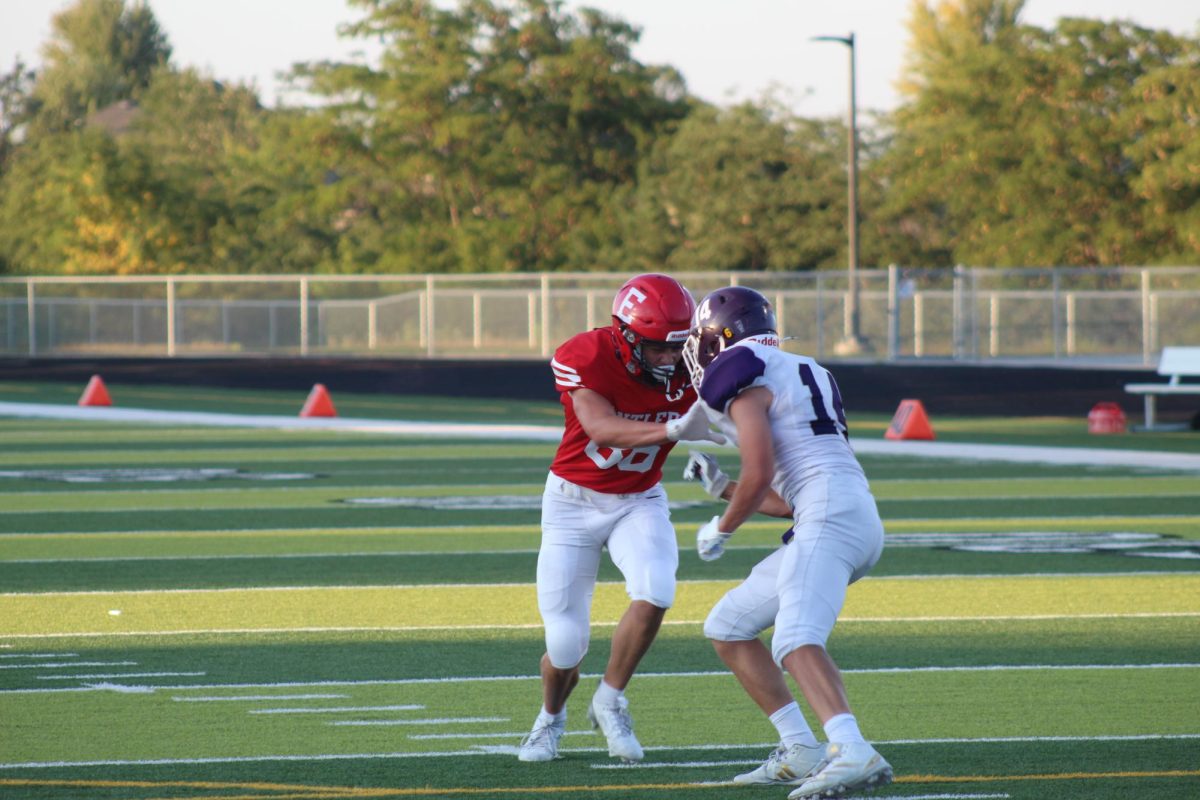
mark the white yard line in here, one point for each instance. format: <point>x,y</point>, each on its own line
<point>1033,576</point>
<point>597,676</point>
<point>338,710</point>
<point>244,698</point>
<point>430,721</point>
<point>70,665</point>
<point>121,675</point>
<point>931,540</point>
<point>533,626</point>
<point>481,751</point>
<point>41,655</point>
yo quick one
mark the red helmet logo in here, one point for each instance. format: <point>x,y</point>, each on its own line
<point>651,308</point>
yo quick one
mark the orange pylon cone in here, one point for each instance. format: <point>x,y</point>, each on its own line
<point>96,394</point>
<point>910,422</point>
<point>319,403</point>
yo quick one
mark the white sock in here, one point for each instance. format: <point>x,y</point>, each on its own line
<point>843,728</point>
<point>792,727</point>
<point>606,695</point>
<point>561,716</point>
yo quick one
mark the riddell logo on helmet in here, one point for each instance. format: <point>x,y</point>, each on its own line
<point>769,339</point>
<point>632,297</point>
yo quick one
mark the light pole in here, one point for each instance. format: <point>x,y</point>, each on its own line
<point>852,342</point>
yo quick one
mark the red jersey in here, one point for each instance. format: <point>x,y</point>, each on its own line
<point>590,361</point>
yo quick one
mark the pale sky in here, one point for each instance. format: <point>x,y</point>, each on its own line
<point>728,50</point>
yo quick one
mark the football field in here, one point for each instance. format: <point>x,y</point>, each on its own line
<point>255,614</point>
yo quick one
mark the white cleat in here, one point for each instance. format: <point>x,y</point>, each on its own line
<point>847,768</point>
<point>786,766</point>
<point>617,726</point>
<point>542,742</point>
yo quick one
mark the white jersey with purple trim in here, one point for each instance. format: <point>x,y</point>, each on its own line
<point>808,423</point>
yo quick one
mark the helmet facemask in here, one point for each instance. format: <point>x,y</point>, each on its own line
<point>699,350</point>
<point>652,373</point>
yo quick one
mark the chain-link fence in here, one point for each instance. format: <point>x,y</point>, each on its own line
<point>1123,315</point>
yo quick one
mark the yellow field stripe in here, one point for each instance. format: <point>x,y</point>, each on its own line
<point>323,792</point>
<point>443,606</point>
<point>327,791</point>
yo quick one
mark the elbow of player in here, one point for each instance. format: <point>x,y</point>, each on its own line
<point>753,482</point>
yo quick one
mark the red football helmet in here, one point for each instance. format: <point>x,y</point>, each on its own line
<point>651,308</point>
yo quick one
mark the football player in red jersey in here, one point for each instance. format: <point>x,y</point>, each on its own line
<point>627,400</point>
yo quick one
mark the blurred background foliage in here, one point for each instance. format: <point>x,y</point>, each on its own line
<point>514,136</point>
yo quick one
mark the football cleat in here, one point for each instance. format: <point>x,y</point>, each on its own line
<point>787,765</point>
<point>847,768</point>
<point>617,726</point>
<point>542,742</point>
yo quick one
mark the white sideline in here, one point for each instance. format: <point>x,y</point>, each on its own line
<point>1082,456</point>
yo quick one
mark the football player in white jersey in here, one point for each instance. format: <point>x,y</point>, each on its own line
<point>785,414</point>
<point>626,402</point>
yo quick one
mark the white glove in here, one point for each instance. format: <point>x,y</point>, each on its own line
<point>710,542</point>
<point>704,468</point>
<point>693,427</point>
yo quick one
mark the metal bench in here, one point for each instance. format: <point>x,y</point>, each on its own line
<point>1175,363</point>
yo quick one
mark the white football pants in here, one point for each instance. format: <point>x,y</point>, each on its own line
<point>801,587</point>
<point>577,524</point>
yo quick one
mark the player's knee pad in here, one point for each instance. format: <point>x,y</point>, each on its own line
<point>729,623</point>
<point>566,640</point>
<point>654,584</point>
<point>785,641</point>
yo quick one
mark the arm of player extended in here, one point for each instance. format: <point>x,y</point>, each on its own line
<point>773,505</point>
<point>606,428</point>
<point>753,491</point>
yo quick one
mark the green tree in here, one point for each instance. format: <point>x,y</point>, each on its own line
<point>16,101</point>
<point>1163,135</point>
<point>174,190</point>
<point>1011,147</point>
<point>199,137</point>
<point>75,203</point>
<point>100,51</point>
<point>741,189</point>
<point>491,136</point>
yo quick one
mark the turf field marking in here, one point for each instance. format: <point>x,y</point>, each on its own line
<point>595,624</point>
<point>612,585</point>
<point>530,502</point>
<point>431,721</point>
<point>340,710</point>
<point>993,542</point>
<point>38,655</point>
<point>999,796</point>
<point>481,751</point>
<point>597,675</point>
<point>318,791</point>
<point>907,523</point>
<point>526,432</point>
<point>121,675</point>
<point>1052,776</point>
<point>253,556</point>
<point>70,665</point>
<point>450,607</point>
<point>743,762</point>
<point>509,735</point>
<point>245,698</point>
<point>330,792</point>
